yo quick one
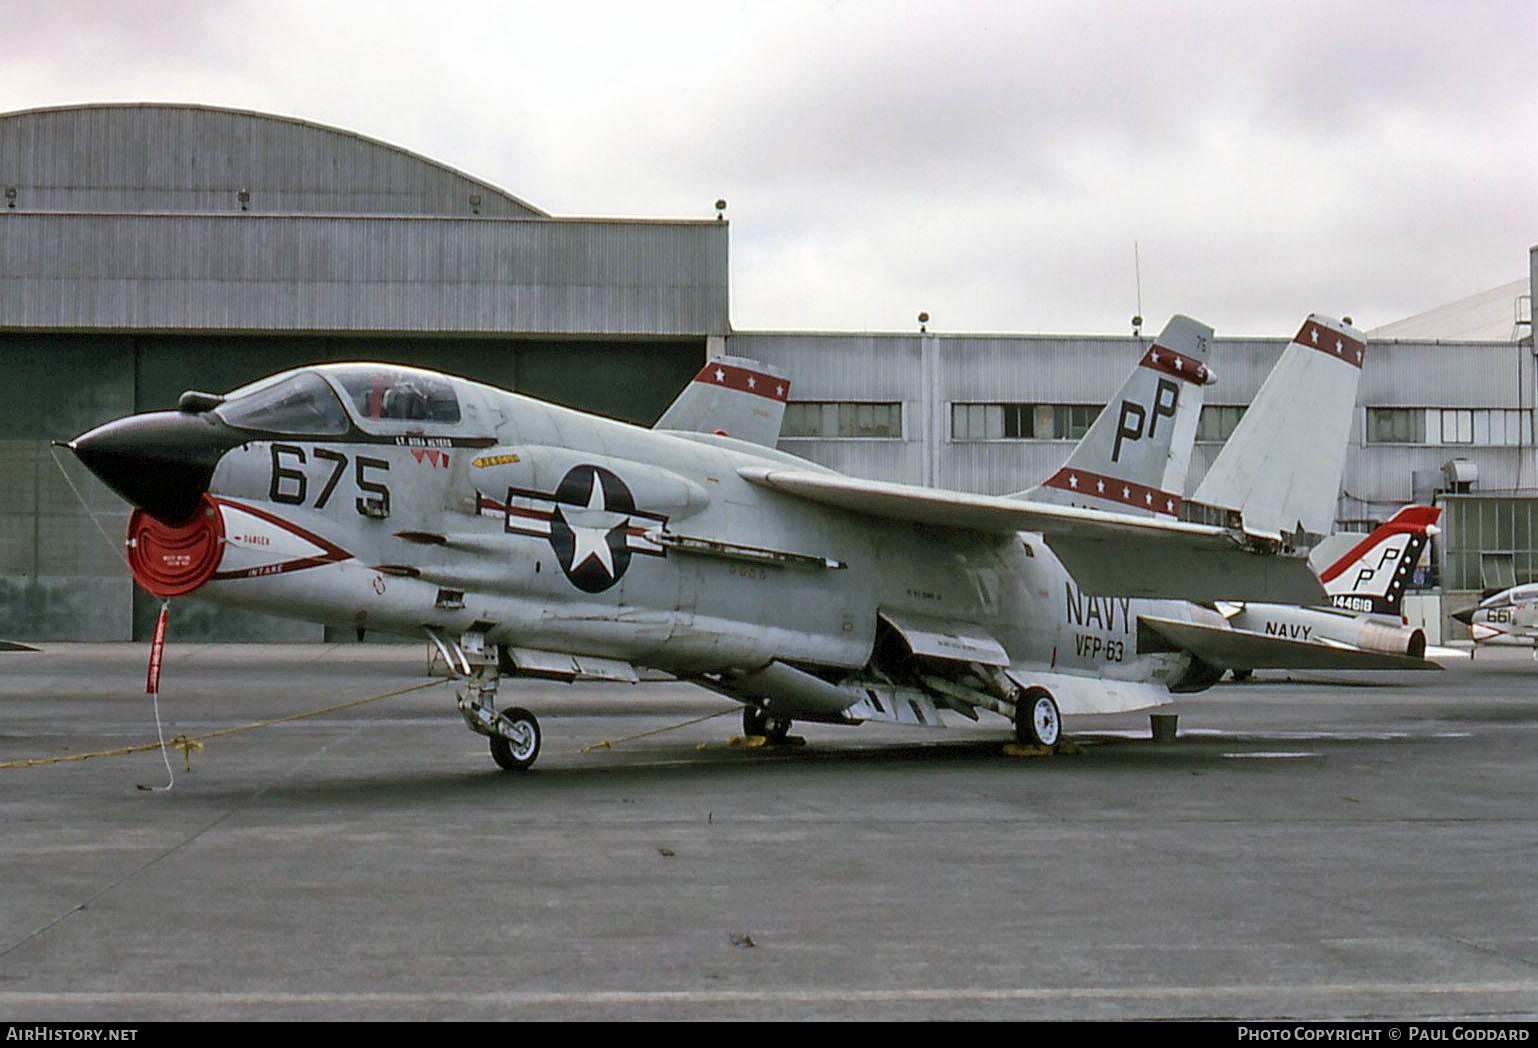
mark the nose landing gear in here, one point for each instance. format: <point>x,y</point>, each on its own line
<point>516,743</point>
<point>513,732</point>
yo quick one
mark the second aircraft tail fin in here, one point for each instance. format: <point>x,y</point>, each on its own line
<point>732,397</point>
<point>1373,575</point>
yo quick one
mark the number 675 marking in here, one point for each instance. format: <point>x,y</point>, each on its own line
<point>291,486</point>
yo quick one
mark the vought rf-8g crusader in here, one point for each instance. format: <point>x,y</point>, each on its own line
<point>1504,617</point>
<point>524,538</point>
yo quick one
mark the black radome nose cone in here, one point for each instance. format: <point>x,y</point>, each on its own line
<point>161,462</point>
<point>1466,616</point>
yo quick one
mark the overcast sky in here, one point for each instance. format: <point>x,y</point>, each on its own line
<point>991,163</point>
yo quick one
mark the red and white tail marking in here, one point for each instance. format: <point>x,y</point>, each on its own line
<point>1374,574</point>
<point>1412,520</point>
<point>1330,342</point>
<point>744,380</point>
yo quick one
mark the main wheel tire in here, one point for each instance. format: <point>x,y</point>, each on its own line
<point>758,721</point>
<point>754,721</point>
<point>517,752</point>
<point>1037,720</point>
<point>778,729</point>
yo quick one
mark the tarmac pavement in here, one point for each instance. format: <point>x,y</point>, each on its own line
<point>1306,848</point>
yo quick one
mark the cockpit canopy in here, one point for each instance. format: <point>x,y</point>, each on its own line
<point>379,391</point>
<point>308,401</point>
<point>1516,595</point>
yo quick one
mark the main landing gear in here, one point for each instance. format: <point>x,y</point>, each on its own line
<point>1037,720</point>
<point>513,732</point>
<point>758,721</point>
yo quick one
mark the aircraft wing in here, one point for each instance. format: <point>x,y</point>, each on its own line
<point>1104,552</point>
<point>1229,648</point>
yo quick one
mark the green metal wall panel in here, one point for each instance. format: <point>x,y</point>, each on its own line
<point>61,572</point>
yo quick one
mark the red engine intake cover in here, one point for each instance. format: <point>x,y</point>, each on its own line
<point>171,561</point>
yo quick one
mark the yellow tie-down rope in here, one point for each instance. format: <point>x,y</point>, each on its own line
<point>609,744</point>
<point>189,744</point>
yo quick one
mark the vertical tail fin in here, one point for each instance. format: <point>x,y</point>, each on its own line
<point>1134,457</point>
<point>1372,576</point>
<point>1282,467</point>
<point>732,396</point>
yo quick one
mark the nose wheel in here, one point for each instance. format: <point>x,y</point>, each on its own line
<point>516,743</point>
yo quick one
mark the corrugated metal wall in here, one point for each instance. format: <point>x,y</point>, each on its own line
<point>169,217</point>
<point>1042,369</point>
<point>60,576</point>
<point>361,274</point>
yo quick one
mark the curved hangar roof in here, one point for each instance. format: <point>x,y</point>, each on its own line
<point>189,218</point>
<point>159,158</point>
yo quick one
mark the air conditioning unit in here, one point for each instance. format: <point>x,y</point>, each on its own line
<point>1461,475</point>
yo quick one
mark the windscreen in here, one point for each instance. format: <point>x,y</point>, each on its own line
<point>301,403</point>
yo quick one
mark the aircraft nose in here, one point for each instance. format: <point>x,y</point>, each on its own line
<point>161,462</point>
<point>1466,616</point>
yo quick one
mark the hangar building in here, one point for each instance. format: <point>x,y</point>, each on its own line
<point>149,249</point>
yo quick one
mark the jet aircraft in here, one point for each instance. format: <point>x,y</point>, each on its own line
<point>1366,586</point>
<point>525,538</point>
<point>1507,617</point>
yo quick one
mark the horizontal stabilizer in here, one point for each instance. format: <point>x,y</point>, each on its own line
<point>1105,552</point>
<point>1227,648</point>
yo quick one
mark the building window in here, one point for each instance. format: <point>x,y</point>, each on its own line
<point>1480,427</point>
<point>1458,426</point>
<point>1218,421</point>
<point>1396,426</point>
<point>1022,421</point>
<point>833,418</point>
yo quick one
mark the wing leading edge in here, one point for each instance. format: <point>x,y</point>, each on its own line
<point>1105,552</point>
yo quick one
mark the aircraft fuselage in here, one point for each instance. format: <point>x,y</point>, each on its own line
<point>538,526</point>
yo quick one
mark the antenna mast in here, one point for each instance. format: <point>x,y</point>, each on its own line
<point>1137,270</point>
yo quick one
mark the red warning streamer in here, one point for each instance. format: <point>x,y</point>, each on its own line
<point>152,682</point>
